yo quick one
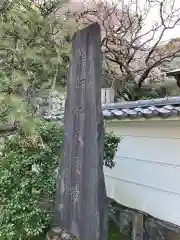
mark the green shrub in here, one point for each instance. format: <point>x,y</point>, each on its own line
<point>110,147</point>
<point>28,167</point>
<point>27,182</point>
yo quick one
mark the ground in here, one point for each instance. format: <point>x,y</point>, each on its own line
<point>115,234</point>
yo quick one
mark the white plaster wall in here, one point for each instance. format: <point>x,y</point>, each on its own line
<point>147,171</point>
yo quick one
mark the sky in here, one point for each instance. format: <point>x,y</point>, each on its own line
<point>154,16</point>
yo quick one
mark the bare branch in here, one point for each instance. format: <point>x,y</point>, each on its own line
<point>127,43</point>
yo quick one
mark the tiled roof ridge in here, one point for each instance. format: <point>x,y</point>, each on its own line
<point>143,103</point>
<point>162,107</point>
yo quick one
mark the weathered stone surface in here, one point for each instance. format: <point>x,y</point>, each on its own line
<point>58,234</point>
<point>138,227</point>
<point>81,207</point>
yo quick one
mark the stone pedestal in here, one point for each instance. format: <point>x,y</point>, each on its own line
<point>59,234</point>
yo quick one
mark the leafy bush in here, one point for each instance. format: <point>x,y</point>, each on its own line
<point>110,147</point>
<point>27,179</point>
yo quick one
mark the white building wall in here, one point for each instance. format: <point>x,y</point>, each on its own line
<point>147,171</point>
<point>107,95</point>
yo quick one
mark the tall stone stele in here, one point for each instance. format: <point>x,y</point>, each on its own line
<point>81,203</point>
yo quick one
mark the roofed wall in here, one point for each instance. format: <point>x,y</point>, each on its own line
<point>147,170</point>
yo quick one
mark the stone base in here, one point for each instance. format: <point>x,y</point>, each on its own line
<point>59,234</point>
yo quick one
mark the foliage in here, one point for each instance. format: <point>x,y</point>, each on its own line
<point>110,147</point>
<point>33,52</point>
<point>114,233</point>
<point>133,50</point>
<point>27,181</point>
<point>152,92</point>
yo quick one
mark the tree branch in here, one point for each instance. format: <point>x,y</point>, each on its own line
<point>8,129</point>
<point>128,45</point>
